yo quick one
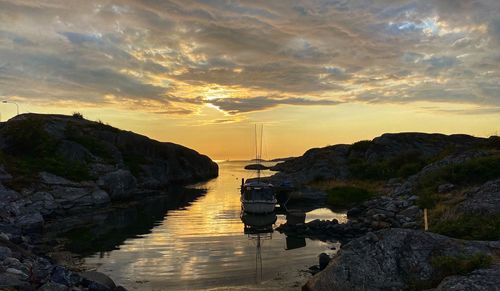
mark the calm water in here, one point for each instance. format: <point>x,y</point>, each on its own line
<point>200,245</point>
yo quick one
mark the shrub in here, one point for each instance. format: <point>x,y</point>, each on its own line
<point>471,172</point>
<point>471,227</point>
<point>30,149</point>
<point>399,166</point>
<point>77,115</point>
<point>347,196</point>
<point>28,137</point>
<point>460,265</point>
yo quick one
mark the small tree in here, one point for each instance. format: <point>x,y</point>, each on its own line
<point>77,115</point>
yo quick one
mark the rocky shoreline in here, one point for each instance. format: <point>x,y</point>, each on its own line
<point>384,246</point>
<point>55,166</point>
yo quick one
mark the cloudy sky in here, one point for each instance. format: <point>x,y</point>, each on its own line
<point>201,73</point>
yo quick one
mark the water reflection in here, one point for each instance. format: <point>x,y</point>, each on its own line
<point>258,228</point>
<point>104,231</point>
<point>194,241</point>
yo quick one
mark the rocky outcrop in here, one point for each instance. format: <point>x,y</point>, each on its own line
<point>481,200</point>
<point>315,164</point>
<point>409,185</point>
<point>399,259</point>
<point>335,162</point>
<point>55,166</point>
<point>374,214</point>
<point>478,280</point>
<point>22,270</point>
<point>62,163</point>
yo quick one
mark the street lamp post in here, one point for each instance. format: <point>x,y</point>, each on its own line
<point>17,105</point>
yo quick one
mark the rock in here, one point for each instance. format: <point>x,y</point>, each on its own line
<point>483,279</point>
<point>399,259</point>
<point>13,282</point>
<point>412,212</point>
<point>43,202</point>
<point>5,252</point>
<point>353,212</point>
<point>73,151</point>
<point>380,224</point>
<point>119,184</point>
<point>65,277</point>
<point>72,197</point>
<point>30,222</point>
<point>98,169</point>
<point>13,263</point>
<point>445,188</point>
<point>103,149</point>
<point>413,198</point>
<point>379,216</point>
<point>409,225</point>
<point>100,197</point>
<point>103,281</point>
<point>324,259</point>
<point>51,179</point>
<point>484,199</point>
<point>370,236</point>
<point>51,286</point>
<point>16,272</point>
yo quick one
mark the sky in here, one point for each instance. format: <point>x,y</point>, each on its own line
<point>203,73</point>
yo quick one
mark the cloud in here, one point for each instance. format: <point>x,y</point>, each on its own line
<point>242,105</point>
<point>79,38</point>
<point>173,53</point>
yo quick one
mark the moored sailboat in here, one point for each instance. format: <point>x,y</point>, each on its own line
<point>257,196</point>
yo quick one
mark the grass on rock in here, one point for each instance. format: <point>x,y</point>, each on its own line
<point>347,196</point>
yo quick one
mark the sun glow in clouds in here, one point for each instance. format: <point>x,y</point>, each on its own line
<point>201,73</point>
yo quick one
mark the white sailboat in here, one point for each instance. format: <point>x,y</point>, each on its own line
<point>258,197</point>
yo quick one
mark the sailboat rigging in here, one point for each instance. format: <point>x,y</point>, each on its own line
<point>258,196</point>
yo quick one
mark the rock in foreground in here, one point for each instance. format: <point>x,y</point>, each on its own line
<point>401,259</point>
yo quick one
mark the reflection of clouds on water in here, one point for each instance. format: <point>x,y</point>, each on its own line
<point>204,246</point>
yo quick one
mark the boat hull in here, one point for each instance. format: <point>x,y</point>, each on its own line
<point>258,207</point>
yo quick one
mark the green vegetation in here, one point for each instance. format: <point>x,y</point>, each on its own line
<point>402,165</point>
<point>77,115</point>
<point>445,266</point>
<point>95,146</point>
<point>134,162</point>
<point>347,196</point>
<point>470,227</point>
<point>461,265</point>
<point>31,150</point>
<point>471,172</point>
<point>28,137</point>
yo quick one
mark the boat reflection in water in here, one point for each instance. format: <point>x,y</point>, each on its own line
<point>258,228</point>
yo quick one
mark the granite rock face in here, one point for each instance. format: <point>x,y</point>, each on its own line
<point>332,162</point>
<point>396,260</point>
<point>81,163</point>
<point>484,199</point>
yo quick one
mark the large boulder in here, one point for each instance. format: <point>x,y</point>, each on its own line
<point>119,184</point>
<point>484,199</point>
<point>479,280</point>
<point>396,260</point>
<point>99,280</point>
